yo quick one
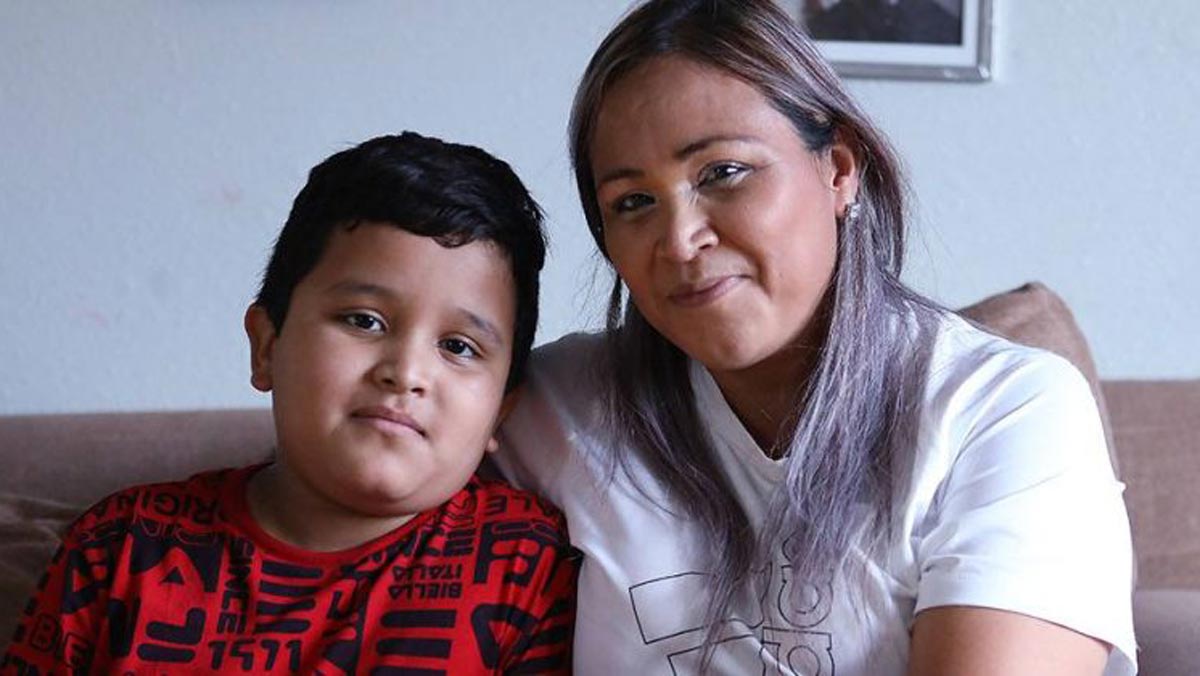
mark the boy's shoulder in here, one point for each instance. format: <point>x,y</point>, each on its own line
<point>193,501</point>
<point>494,501</point>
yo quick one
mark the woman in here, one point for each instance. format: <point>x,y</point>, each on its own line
<point>779,459</point>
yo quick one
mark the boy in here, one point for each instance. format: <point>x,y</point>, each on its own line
<point>393,323</point>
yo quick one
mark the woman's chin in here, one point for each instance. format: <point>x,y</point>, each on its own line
<point>735,354</point>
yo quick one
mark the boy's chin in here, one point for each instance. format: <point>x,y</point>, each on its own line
<point>383,501</point>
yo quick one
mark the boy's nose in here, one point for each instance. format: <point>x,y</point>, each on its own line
<point>401,371</point>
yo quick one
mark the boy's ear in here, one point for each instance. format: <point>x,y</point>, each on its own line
<point>261,333</point>
<point>506,406</point>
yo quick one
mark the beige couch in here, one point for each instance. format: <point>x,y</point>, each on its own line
<point>55,465</point>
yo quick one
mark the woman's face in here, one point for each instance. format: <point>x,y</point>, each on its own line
<point>717,217</point>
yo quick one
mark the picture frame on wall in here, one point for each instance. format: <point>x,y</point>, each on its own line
<point>904,39</point>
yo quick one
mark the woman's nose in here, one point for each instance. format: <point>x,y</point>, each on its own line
<point>686,231</point>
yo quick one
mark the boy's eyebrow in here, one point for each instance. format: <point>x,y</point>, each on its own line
<point>352,286</point>
<point>483,324</point>
<point>355,286</point>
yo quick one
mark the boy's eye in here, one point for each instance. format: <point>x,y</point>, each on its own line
<point>628,203</point>
<point>722,172</point>
<point>364,321</point>
<point>459,348</point>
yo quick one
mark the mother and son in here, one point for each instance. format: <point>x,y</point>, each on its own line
<point>777,458</point>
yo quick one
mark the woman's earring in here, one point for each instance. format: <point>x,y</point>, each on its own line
<point>851,214</point>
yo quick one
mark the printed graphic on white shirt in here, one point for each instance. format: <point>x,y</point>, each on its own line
<point>779,629</point>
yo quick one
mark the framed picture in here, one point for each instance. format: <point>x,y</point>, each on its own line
<point>908,39</point>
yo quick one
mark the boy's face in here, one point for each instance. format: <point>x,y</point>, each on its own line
<point>389,372</point>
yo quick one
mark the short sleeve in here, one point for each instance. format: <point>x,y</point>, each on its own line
<point>544,644</point>
<point>1030,517</point>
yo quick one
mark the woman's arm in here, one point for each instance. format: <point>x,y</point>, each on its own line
<point>985,642</point>
<point>1025,556</point>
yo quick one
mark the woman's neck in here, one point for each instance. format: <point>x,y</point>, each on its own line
<point>765,396</point>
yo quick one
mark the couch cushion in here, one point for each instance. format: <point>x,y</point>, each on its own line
<point>1167,623</point>
<point>29,534</point>
<point>1156,425</point>
<point>1036,316</point>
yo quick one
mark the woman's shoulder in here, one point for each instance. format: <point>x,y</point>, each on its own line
<point>967,358</point>
<point>558,416</point>
<point>568,370</point>
<point>981,385</point>
<point>565,376</point>
<point>567,356</point>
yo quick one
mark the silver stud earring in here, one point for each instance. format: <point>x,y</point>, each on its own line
<point>851,213</point>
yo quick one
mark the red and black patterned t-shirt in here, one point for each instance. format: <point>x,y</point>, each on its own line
<point>178,578</point>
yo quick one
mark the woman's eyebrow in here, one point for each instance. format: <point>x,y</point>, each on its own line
<point>618,174</point>
<point>700,144</point>
<point>681,154</point>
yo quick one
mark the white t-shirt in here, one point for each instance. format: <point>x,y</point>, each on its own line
<point>1010,503</point>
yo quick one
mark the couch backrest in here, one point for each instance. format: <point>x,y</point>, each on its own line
<point>78,459</point>
<point>1156,427</point>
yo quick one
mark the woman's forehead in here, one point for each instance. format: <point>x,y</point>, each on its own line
<point>669,104</point>
<point>673,79</point>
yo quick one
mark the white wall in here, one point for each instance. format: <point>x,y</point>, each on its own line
<point>150,154</point>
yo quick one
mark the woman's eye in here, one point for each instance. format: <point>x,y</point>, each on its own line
<point>364,322</point>
<point>459,347</point>
<point>725,171</point>
<point>632,202</point>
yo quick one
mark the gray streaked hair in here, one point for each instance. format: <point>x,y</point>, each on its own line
<point>856,414</point>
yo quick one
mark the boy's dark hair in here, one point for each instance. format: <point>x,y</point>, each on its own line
<point>454,193</point>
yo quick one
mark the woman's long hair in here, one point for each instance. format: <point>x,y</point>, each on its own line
<point>856,413</point>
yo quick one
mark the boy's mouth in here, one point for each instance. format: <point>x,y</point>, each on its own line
<point>388,418</point>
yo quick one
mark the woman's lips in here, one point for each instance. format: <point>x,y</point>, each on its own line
<point>696,294</point>
<point>389,420</point>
